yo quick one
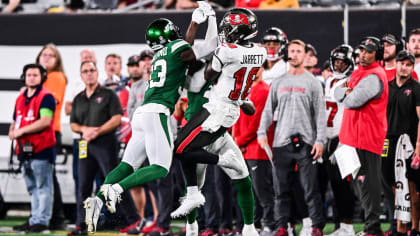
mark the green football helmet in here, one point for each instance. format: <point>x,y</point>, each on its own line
<point>160,32</point>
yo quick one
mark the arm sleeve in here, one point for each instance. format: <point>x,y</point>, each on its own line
<point>114,105</point>
<point>267,113</point>
<point>319,114</point>
<point>204,48</point>
<point>48,102</point>
<point>368,88</point>
<point>249,134</point>
<point>131,102</point>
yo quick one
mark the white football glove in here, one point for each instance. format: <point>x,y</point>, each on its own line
<point>208,10</point>
<point>198,16</point>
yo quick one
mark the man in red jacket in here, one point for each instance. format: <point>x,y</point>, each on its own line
<point>245,134</point>
<point>364,126</point>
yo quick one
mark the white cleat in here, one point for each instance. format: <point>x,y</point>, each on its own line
<point>249,230</point>
<point>230,161</point>
<point>112,197</point>
<point>191,229</point>
<point>344,230</point>
<point>189,203</point>
<point>306,227</point>
<point>93,206</point>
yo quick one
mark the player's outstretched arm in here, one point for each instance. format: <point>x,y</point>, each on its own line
<point>213,70</point>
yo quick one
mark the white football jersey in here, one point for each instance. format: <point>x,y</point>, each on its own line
<point>334,109</point>
<point>275,72</point>
<point>239,66</point>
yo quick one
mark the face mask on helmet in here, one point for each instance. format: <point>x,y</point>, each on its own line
<point>345,53</point>
<point>276,35</point>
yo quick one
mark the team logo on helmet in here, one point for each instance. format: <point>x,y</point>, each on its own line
<point>238,19</point>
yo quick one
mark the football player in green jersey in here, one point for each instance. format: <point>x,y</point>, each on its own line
<point>151,137</point>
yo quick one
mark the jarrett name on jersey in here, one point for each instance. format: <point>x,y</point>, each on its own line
<point>240,65</point>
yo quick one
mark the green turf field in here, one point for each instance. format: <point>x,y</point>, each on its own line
<point>8,222</point>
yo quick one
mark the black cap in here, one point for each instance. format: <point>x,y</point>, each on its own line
<point>133,60</point>
<point>390,38</point>
<point>406,55</point>
<point>146,53</point>
<point>369,44</point>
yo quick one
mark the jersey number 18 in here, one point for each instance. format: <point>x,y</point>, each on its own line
<point>239,83</point>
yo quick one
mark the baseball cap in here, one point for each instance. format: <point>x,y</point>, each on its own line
<point>369,44</point>
<point>406,55</point>
<point>390,38</point>
<point>133,60</point>
<point>146,53</point>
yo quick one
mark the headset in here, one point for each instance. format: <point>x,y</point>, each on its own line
<point>379,45</point>
<point>399,43</point>
<point>38,66</point>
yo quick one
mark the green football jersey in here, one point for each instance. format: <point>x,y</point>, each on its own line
<point>168,75</point>
<point>197,100</point>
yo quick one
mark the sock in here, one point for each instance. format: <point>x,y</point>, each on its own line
<point>142,176</point>
<point>192,216</point>
<point>192,189</point>
<point>245,199</point>
<point>120,172</point>
<point>100,201</point>
<point>190,172</point>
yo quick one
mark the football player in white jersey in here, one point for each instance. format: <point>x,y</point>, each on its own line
<point>275,41</point>
<point>342,65</point>
<point>234,65</point>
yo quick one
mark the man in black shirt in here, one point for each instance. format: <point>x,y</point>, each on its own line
<point>96,113</point>
<point>403,113</point>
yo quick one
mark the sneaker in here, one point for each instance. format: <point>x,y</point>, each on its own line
<point>191,229</point>
<point>249,230</point>
<point>230,161</point>
<point>112,197</point>
<point>189,203</point>
<point>316,232</point>
<point>149,228</point>
<point>58,226</point>
<point>305,231</point>
<point>208,232</point>
<point>344,230</point>
<point>138,227</point>
<point>282,232</point>
<point>266,232</point>
<point>22,227</point>
<point>77,231</point>
<point>132,226</point>
<point>92,207</point>
<point>236,232</point>
<point>291,230</point>
<point>160,232</point>
<point>38,228</point>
